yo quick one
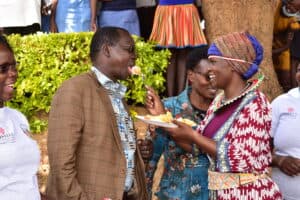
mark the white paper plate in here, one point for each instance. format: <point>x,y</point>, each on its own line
<point>156,122</point>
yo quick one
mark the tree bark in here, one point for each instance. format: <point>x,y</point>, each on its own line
<point>254,16</point>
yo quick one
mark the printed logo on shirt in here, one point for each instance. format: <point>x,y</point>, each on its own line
<point>291,112</point>
<point>2,131</point>
<point>6,132</point>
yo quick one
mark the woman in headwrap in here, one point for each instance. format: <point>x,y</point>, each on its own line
<point>236,130</point>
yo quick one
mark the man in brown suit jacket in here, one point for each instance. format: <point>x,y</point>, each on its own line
<point>91,139</point>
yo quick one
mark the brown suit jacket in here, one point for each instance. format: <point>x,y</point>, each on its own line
<point>85,152</point>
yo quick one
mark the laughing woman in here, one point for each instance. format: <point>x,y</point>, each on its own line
<point>236,130</point>
<point>19,154</point>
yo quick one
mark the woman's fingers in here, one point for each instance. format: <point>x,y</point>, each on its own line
<point>290,166</point>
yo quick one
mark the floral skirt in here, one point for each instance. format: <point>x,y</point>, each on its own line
<point>189,183</point>
<point>177,26</point>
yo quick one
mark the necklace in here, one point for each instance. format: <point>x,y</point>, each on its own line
<point>219,103</point>
<point>224,101</point>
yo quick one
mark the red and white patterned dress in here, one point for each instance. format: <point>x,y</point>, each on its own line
<point>243,145</point>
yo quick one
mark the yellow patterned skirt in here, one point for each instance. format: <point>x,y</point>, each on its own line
<point>177,26</point>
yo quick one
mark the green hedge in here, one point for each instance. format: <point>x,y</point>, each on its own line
<point>46,60</point>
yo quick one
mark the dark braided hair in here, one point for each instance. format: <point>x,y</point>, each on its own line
<point>195,56</point>
<point>4,42</point>
<point>106,35</point>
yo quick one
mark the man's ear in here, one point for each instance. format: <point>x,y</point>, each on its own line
<point>106,50</point>
<point>190,75</point>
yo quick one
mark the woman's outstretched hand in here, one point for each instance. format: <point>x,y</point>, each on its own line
<point>153,102</point>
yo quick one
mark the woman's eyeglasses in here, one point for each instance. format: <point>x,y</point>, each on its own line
<point>4,68</point>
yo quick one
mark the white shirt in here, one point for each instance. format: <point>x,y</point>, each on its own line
<point>286,123</point>
<point>19,12</point>
<point>19,158</point>
<point>286,134</point>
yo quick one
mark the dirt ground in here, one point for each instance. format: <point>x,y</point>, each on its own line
<point>44,166</point>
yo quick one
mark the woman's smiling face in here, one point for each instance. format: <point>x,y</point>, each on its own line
<point>220,73</point>
<point>199,79</point>
<point>8,74</point>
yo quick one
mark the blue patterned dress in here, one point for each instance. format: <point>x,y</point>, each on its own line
<point>185,174</point>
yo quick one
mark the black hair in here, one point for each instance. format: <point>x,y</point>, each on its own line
<point>105,35</point>
<point>195,56</point>
<point>4,42</point>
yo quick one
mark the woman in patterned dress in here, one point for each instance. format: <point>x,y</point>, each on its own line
<point>236,130</point>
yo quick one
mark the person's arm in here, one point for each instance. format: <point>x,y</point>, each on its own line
<point>53,26</point>
<point>185,136</point>
<point>64,134</point>
<point>289,39</point>
<point>93,25</point>
<point>236,149</point>
<point>287,164</point>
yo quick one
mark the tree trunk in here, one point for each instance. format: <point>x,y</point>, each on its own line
<point>254,16</point>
